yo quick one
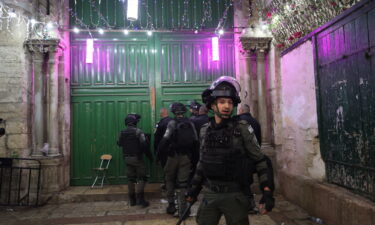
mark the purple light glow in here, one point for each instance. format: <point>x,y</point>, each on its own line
<point>215,49</point>
<point>89,50</point>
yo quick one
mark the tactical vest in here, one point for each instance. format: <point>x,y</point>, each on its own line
<point>219,157</point>
<point>130,141</point>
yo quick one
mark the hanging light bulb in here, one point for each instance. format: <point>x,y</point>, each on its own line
<point>76,30</point>
<point>101,31</point>
<point>132,11</point>
<point>89,50</point>
<point>126,32</point>
<point>215,48</point>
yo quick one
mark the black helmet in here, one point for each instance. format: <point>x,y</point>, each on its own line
<point>194,105</point>
<point>132,119</point>
<point>224,86</point>
<point>178,108</point>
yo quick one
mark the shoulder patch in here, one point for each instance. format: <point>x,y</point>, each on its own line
<point>250,129</point>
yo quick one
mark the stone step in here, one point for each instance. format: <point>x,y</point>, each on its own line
<point>77,194</point>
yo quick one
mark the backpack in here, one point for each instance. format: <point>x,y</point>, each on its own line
<point>184,136</point>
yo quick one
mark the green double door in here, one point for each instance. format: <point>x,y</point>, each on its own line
<point>134,74</point>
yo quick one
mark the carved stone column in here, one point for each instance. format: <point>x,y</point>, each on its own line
<point>260,46</point>
<point>246,78</point>
<point>45,64</point>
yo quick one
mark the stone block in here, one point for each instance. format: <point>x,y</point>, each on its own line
<point>15,110</point>
<point>334,204</point>
<point>17,141</point>
<point>16,127</point>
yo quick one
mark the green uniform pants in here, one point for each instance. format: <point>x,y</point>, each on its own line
<point>177,170</point>
<point>233,205</point>
<point>136,171</point>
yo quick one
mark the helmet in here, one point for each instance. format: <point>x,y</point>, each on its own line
<point>132,119</point>
<point>194,105</point>
<point>224,86</point>
<point>178,108</point>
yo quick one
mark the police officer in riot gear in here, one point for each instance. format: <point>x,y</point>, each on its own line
<point>194,109</point>
<point>134,144</point>
<point>228,147</point>
<point>181,143</point>
<point>201,119</point>
<point>244,114</point>
<point>161,127</point>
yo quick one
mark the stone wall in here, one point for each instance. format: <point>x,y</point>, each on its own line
<point>14,85</point>
<point>300,151</point>
<point>17,89</point>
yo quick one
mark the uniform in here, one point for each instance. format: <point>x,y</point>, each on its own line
<point>134,144</point>
<point>199,121</point>
<point>254,124</point>
<point>178,165</point>
<point>228,151</point>
<point>161,127</point>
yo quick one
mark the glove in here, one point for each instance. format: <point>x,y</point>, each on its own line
<point>191,196</point>
<point>268,200</point>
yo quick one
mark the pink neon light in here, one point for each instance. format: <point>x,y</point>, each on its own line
<point>89,50</point>
<point>215,49</point>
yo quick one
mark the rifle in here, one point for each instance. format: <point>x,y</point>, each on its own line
<point>184,214</point>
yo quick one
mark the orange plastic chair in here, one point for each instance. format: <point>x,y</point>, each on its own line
<point>101,171</point>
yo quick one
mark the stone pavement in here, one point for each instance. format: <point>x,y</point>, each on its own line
<point>74,209</point>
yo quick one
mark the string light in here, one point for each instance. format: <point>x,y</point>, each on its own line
<point>76,30</point>
<point>290,20</point>
<point>42,29</point>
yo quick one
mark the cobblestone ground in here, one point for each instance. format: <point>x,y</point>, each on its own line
<point>119,213</point>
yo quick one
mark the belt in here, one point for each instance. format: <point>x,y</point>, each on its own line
<point>225,188</point>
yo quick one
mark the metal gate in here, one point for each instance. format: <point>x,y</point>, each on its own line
<point>134,74</point>
<point>345,66</point>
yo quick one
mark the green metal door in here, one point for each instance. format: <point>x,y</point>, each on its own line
<point>134,74</point>
<point>346,91</point>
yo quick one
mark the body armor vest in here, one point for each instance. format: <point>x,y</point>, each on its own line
<point>130,141</point>
<point>219,157</point>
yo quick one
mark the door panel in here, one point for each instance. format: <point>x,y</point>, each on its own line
<point>134,74</point>
<point>346,74</point>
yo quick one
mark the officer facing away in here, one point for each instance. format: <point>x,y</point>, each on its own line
<point>161,127</point>
<point>227,150</point>
<point>134,144</point>
<point>181,143</point>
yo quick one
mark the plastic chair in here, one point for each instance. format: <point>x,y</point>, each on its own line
<point>101,171</point>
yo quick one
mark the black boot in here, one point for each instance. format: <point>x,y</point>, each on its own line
<point>171,209</point>
<point>132,200</point>
<point>141,200</point>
